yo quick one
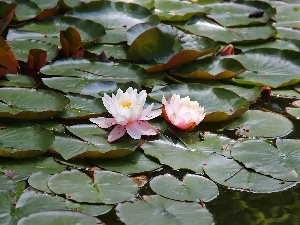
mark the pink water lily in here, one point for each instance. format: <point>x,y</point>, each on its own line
<point>129,114</point>
<point>182,112</point>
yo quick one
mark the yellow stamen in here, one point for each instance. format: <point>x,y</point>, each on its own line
<point>126,104</point>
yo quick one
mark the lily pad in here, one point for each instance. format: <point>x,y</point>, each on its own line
<point>230,14</point>
<point>97,137</point>
<point>21,140</point>
<point>24,168</point>
<point>88,30</point>
<point>6,184</point>
<point>229,173</point>
<point>55,217</point>
<point>294,112</point>
<point>81,106</point>
<point>219,103</point>
<point>17,80</point>
<point>256,123</point>
<point>210,68</point>
<point>191,188</point>
<point>111,51</point>
<point>178,10</point>
<point>268,160</point>
<point>100,71</point>
<point>31,104</point>
<point>89,209</point>
<point>106,187</point>
<point>133,163</point>
<point>113,14</point>
<point>210,29</point>
<point>190,156</point>
<point>288,33</point>
<point>272,67</point>
<point>166,211</point>
<point>39,181</point>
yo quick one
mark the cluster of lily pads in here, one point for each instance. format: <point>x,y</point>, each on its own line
<point>61,60</point>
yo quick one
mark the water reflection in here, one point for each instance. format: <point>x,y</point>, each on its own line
<point>244,208</point>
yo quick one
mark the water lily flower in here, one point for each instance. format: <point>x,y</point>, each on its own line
<point>182,112</point>
<point>129,114</point>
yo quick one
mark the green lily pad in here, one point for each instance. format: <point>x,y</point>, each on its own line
<point>294,112</point>
<point>39,181</point>
<point>133,163</point>
<point>166,46</point>
<point>288,33</point>
<point>287,12</point>
<point>210,29</point>
<point>191,188</point>
<point>6,184</point>
<point>101,71</point>
<point>219,103</point>
<point>89,209</point>
<point>56,217</point>
<point>107,187</point>
<point>286,92</point>
<point>81,106</point>
<point>166,211</point>
<point>190,155</point>
<point>17,80</point>
<point>266,159</point>
<point>111,51</point>
<point>229,173</point>
<point>88,30</point>
<point>279,44</point>
<point>5,207</point>
<point>272,67</point>
<point>95,136</point>
<point>31,104</point>
<point>178,10</point>
<point>230,14</point>
<point>69,147</point>
<point>256,123</point>
<point>21,140</point>
<point>113,14</point>
<point>210,68</point>
<point>24,168</point>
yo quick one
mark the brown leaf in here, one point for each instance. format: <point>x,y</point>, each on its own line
<point>71,43</point>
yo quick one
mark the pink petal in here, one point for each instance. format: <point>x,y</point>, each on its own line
<point>103,122</point>
<point>116,133</point>
<point>139,128</point>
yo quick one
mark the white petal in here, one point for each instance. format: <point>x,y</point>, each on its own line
<point>135,130</point>
<point>116,133</point>
<point>103,122</point>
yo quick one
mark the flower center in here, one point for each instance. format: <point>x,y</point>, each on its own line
<point>126,104</point>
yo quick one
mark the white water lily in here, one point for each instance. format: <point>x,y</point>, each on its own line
<point>129,115</point>
<point>182,112</point>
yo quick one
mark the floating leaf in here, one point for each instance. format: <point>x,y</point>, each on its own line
<point>229,173</point>
<point>32,104</point>
<point>166,211</point>
<point>88,30</point>
<point>210,29</point>
<point>97,137</point>
<point>271,67</point>
<point>112,51</point>
<point>101,71</point>
<point>39,181</point>
<point>268,160</point>
<point>210,68</point>
<point>288,33</point>
<point>133,163</point>
<point>113,14</point>
<point>6,184</point>
<point>256,123</point>
<point>71,43</point>
<point>190,156</point>
<point>81,106</point>
<point>220,104</point>
<point>20,140</point>
<point>191,188</point>
<point>236,14</point>
<point>89,209</point>
<point>56,217</point>
<point>178,10</point>
<point>295,112</point>
<point>17,80</point>
<point>106,187</point>
<point>24,168</point>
